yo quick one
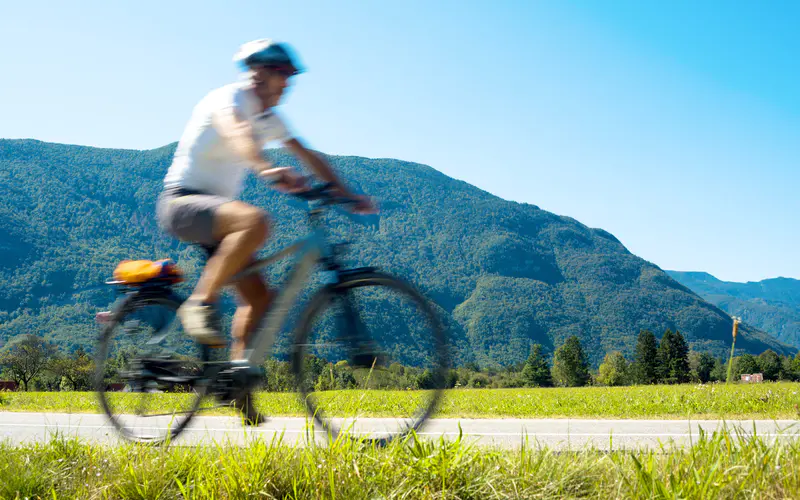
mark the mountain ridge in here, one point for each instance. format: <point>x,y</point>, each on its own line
<point>772,304</point>
<point>506,273</point>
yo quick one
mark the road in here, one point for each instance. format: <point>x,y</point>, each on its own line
<point>509,433</point>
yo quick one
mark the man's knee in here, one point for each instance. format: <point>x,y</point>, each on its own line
<point>237,216</point>
<point>259,225</point>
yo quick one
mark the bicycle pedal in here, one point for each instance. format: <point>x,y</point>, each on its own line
<point>235,379</point>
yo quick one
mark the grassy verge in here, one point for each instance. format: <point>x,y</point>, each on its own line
<point>722,465</point>
<point>768,401</point>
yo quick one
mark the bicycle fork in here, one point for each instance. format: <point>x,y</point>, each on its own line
<point>363,350</point>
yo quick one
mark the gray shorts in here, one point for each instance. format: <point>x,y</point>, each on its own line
<point>189,215</point>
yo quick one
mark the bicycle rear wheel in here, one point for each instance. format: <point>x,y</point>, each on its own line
<point>148,371</point>
<point>370,357</point>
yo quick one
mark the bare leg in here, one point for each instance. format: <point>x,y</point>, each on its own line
<point>254,300</point>
<point>241,230</point>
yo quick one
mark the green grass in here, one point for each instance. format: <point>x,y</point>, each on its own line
<point>769,400</point>
<point>721,465</point>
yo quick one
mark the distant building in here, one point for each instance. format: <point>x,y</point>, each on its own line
<point>8,385</point>
<point>752,378</point>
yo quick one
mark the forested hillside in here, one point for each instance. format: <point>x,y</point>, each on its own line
<point>506,274</point>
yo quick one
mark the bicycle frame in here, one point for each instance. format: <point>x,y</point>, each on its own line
<point>309,251</point>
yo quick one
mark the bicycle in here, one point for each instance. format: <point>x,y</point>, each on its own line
<point>331,347</point>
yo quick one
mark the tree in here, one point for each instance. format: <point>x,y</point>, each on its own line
<point>479,381</point>
<point>644,369</point>
<point>278,376</point>
<point>570,368</point>
<point>76,369</point>
<point>720,371</point>
<point>789,368</point>
<point>472,366</point>
<point>746,363</point>
<point>769,363</point>
<point>426,380</point>
<point>25,356</point>
<point>795,365</point>
<point>613,370</point>
<point>536,371</point>
<point>312,369</point>
<point>673,356</point>
<point>343,375</point>
<point>335,376</point>
<point>701,365</point>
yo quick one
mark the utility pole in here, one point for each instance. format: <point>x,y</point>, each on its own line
<point>736,321</point>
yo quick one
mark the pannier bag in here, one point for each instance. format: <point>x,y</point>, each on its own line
<point>141,271</point>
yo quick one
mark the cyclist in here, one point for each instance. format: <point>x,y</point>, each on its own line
<point>225,136</point>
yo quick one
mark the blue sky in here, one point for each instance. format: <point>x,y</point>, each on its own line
<point>674,125</point>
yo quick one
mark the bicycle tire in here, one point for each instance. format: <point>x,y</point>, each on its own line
<point>322,301</point>
<point>126,309</point>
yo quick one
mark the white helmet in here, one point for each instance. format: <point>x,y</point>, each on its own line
<point>265,52</point>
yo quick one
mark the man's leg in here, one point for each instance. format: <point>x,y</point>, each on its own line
<point>241,229</point>
<point>254,300</point>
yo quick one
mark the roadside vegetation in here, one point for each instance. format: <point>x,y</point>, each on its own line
<point>32,363</point>
<point>777,400</point>
<point>671,382</point>
<point>725,464</point>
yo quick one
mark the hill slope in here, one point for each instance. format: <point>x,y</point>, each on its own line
<point>507,274</point>
<point>772,305</point>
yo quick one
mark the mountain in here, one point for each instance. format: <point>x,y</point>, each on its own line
<point>771,305</point>
<point>505,274</point>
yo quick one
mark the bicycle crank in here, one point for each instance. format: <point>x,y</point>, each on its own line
<point>235,381</point>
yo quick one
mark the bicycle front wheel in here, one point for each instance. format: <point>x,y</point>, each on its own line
<point>370,357</point>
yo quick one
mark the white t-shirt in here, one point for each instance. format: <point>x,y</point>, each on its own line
<point>204,161</point>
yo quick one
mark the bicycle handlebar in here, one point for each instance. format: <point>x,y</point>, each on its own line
<point>324,193</point>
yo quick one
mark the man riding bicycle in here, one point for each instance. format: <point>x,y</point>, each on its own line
<point>225,136</point>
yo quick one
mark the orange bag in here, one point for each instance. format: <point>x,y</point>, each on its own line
<point>141,271</point>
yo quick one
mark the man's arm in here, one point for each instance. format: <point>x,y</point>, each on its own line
<point>318,165</point>
<point>240,135</point>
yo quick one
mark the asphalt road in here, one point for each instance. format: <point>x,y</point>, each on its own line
<point>508,433</point>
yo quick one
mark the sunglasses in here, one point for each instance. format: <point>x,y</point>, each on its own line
<point>286,71</point>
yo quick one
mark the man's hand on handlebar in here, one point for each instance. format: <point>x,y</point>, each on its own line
<point>363,205</point>
<point>288,181</point>
<point>285,179</point>
<point>359,204</point>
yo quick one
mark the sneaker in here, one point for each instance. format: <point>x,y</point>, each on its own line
<point>251,416</point>
<point>201,322</point>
